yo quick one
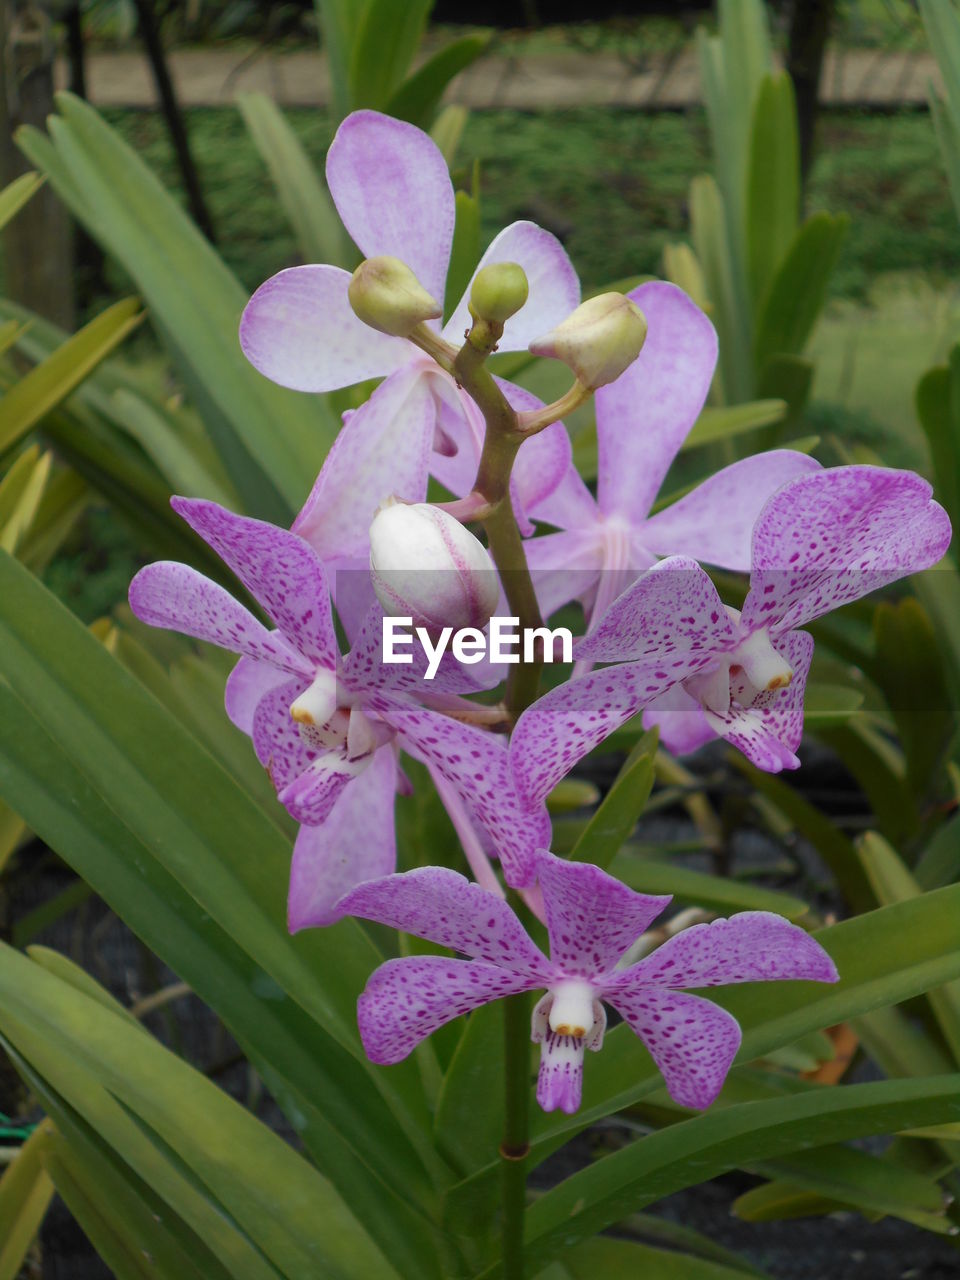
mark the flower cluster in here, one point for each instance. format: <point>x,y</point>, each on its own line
<point>330,726</point>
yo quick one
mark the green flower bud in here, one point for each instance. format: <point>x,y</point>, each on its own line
<point>598,340</point>
<point>386,295</point>
<point>498,292</point>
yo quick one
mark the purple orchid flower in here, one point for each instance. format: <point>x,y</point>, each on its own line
<point>592,920</point>
<point>327,728</point>
<point>702,669</point>
<point>392,189</point>
<point>642,420</point>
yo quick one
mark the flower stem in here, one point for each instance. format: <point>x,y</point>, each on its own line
<point>515,1146</point>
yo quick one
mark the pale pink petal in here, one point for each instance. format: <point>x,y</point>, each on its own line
<point>458,438</point>
<point>446,908</point>
<point>831,537</point>
<point>753,946</point>
<point>680,718</point>
<point>541,462</point>
<point>554,287</point>
<point>381,452</point>
<point>715,522</point>
<point>174,596</point>
<point>564,566</point>
<point>352,591</point>
<point>478,764</point>
<point>407,999</point>
<point>692,1041</point>
<point>357,842</point>
<point>277,567</point>
<point>673,607</point>
<point>299,330</point>
<point>571,505</point>
<point>393,192</point>
<point>592,918</point>
<point>644,417</point>
<point>560,1077</point>
<point>569,721</point>
<point>247,683</point>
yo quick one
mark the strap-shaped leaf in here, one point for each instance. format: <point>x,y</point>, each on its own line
<point>25,1193</point>
<point>773,181</point>
<point>796,295</point>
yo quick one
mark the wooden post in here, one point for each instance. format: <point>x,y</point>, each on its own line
<point>38,243</point>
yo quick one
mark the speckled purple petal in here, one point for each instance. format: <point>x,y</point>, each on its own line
<point>381,452</point>
<point>478,764</point>
<point>753,946</point>
<point>692,1041</point>
<point>276,739</point>
<point>644,417</point>
<point>277,567</point>
<point>592,919</point>
<point>715,522</point>
<point>768,731</point>
<point>299,330</point>
<point>356,843</point>
<point>832,537</point>
<point>246,684</point>
<point>560,1077</point>
<point>364,668</point>
<point>554,287</point>
<point>673,608</point>
<point>569,721</point>
<point>392,189</point>
<point>174,596</point>
<point>311,796</point>
<point>407,999</point>
<point>446,908</point>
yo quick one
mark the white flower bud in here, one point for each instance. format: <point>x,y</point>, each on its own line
<point>598,340</point>
<point>426,565</point>
<point>386,295</point>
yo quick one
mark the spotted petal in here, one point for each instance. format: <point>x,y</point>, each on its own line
<point>381,452</point>
<point>644,417</point>
<point>692,1041</point>
<point>393,192</point>
<point>247,683</point>
<point>445,907</point>
<point>715,521</point>
<point>554,287</point>
<point>277,567</point>
<point>299,330</point>
<point>276,738</point>
<point>592,919</point>
<point>477,763</point>
<point>569,721</point>
<point>672,608</point>
<point>753,946</point>
<point>826,539</point>
<point>356,843</point>
<point>174,596</point>
<point>409,998</point>
<point>311,796</point>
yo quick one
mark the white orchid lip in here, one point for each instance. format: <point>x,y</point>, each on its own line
<point>318,703</point>
<point>763,666</point>
<point>572,1010</point>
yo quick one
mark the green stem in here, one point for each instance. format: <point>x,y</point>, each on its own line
<point>515,1147</point>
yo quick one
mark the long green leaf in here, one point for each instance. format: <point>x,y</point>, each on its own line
<point>45,386</point>
<point>773,181</point>
<point>419,96</point>
<point>720,1140</point>
<point>797,292</point>
<point>285,1206</point>
<point>25,1193</point>
<point>303,195</point>
<point>16,194</point>
<point>192,296</point>
<point>617,815</point>
<point>650,875</point>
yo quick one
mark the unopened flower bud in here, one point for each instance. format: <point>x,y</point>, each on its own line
<point>424,564</point>
<point>386,295</point>
<point>598,340</point>
<point>498,292</point>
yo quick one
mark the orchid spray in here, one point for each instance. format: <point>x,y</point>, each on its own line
<point>331,728</point>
